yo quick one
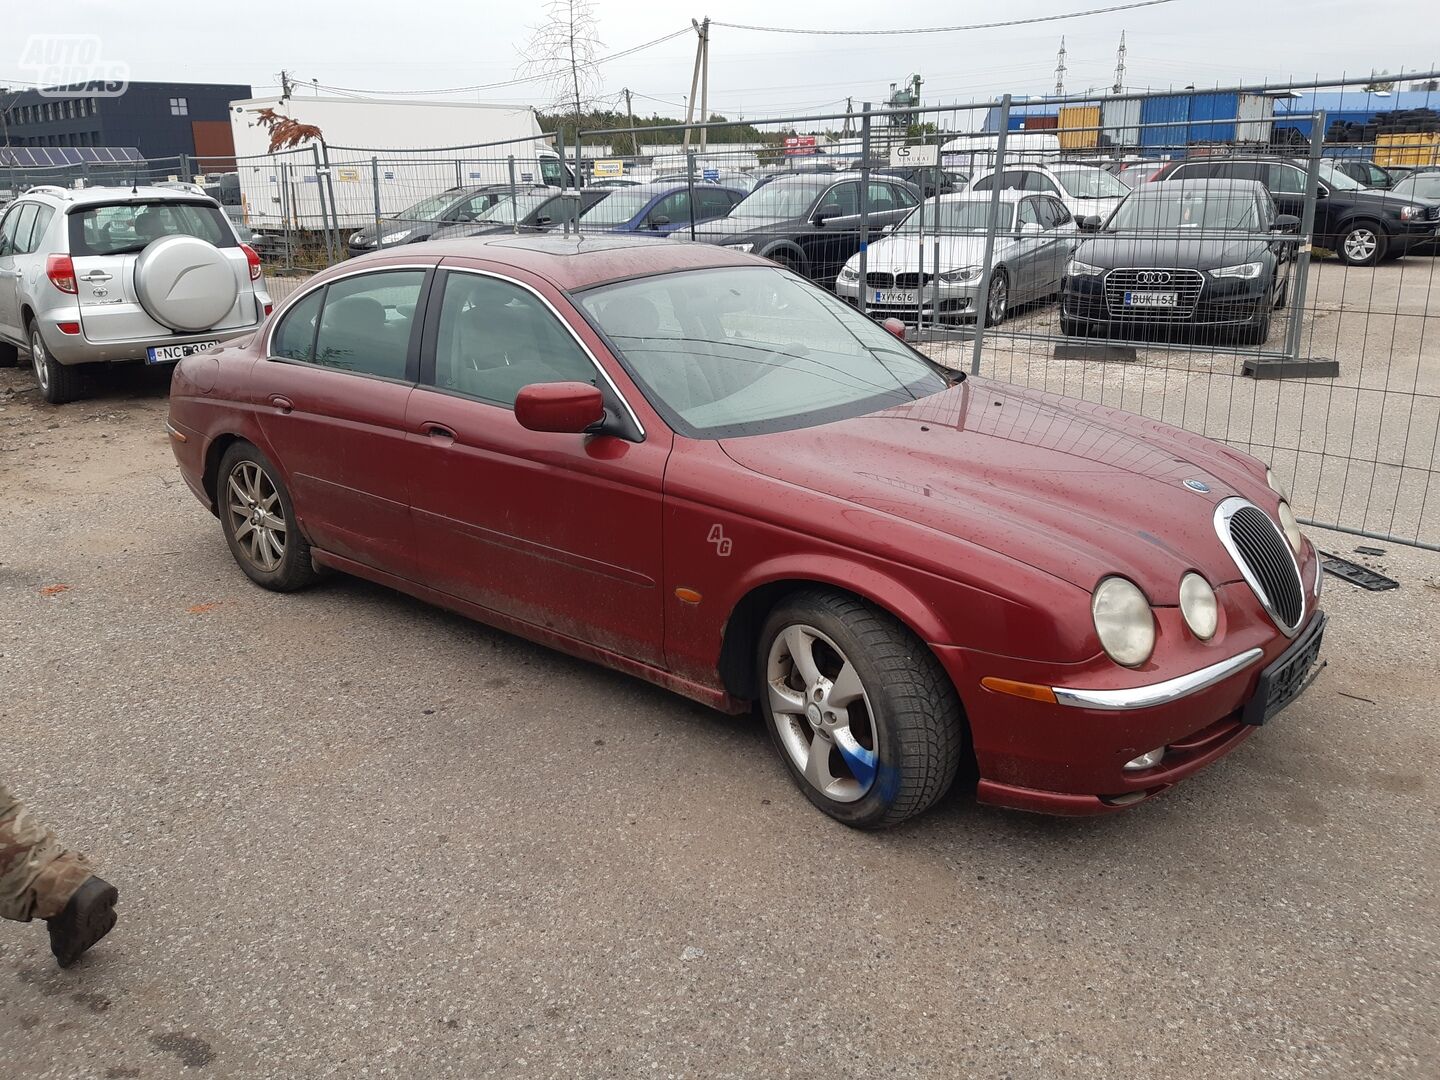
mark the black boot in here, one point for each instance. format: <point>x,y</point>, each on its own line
<point>86,919</point>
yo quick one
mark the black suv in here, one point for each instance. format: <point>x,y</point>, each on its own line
<point>810,222</point>
<point>454,206</point>
<point>1361,226</point>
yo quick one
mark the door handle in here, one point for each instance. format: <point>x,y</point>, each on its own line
<point>96,275</point>
<point>439,432</point>
<point>283,404</point>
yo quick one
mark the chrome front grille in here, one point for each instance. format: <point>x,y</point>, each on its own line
<point>1185,284</point>
<point>1264,559</point>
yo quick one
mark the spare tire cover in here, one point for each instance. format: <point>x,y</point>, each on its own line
<point>185,283</point>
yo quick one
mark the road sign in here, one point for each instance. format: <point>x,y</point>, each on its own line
<point>924,157</point>
<point>710,175</point>
<point>608,170</point>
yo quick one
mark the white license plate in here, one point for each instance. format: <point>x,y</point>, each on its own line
<point>894,296</point>
<point>168,354</point>
<point>1151,299</point>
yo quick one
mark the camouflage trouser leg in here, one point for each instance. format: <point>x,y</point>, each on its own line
<point>37,875</point>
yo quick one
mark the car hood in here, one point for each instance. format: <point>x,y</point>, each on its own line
<point>1101,208</point>
<point>1170,250</point>
<point>901,254</point>
<point>1074,489</point>
<point>1377,197</point>
<point>738,227</point>
<point>389,225</point>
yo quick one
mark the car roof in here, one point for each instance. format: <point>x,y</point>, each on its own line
<point>1009,195</point>
<point>578,262</point>
<point>78,197</point>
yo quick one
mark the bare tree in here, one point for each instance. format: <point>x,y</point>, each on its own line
<point>563,49</point>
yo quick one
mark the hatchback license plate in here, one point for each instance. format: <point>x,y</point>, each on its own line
<point>1151,299</point>
<point>168,354</point>
<point>894,296</point>
<point>1284,680</point>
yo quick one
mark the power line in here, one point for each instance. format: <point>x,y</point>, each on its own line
<point>943,29</point>
<point>506,82</point>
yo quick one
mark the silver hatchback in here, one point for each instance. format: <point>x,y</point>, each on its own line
<point>101,275</point>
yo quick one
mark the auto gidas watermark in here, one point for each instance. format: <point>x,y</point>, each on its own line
<point>60,64</point>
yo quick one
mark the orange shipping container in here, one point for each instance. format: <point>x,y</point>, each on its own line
<point>1079,127</point>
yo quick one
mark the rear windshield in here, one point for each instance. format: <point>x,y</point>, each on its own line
<point>120,228</point>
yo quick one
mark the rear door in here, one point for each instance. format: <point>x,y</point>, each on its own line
<point>332,396</point>
<point>105,244</point>
<point>561,531</point>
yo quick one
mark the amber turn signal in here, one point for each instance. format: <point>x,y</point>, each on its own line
<point>688,596</point>
<point>1026,690</point>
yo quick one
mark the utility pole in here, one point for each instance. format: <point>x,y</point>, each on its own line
<point>630,108</point>
<point>694,84</point>
<point>1060,70</point>
<point>704,81</point>
<point>286,85</point>
<point>1119,87</point>
<point>847,129</point>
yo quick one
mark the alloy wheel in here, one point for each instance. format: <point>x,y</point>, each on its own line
<point>999,301</point>
<point>1360,245</point>
<point>256,515</point>
<point>38,360</point>
<point>822,713</point>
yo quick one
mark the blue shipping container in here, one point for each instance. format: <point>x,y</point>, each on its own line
<point>1183,119</point>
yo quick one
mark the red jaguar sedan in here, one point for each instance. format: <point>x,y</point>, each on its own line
<point>692,465</point>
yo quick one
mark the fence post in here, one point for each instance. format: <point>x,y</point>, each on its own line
<point>690,188</point>
<point>920,277</point>
<point>1296,299</point>
<point>982,293</point>
<point>329,182</point>
<point>320,196</point>
<point>287,207</point>
<point>935,268</point>
<point>514,197</point>
<point>375,191</point>
<point>564,184</point>
<point>864,202</point>
<point>459,169</point>
<point>579,174</point>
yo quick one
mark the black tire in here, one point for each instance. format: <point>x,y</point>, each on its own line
<point>1258,332</point>
<point>999,279</point>
<point>59,383</point>
<point>1358,236</point>
<point>917,734</point>
<point>250,547</point>
<point>1283,300</point>
<point>1072,327</point>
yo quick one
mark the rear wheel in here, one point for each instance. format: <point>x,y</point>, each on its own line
<point>259,523</point>
<point>866,720</point>
<point>59,382</point>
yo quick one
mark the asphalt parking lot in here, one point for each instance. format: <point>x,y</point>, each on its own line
<point>357,836</point>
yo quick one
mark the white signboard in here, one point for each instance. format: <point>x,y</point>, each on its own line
<point>925,157</point>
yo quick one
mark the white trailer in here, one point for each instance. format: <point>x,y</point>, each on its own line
<point>380,154</point>
<point>973,152</point>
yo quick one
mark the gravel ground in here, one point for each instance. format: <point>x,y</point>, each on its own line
<point>356,836</point>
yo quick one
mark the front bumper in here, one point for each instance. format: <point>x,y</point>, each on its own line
<point>1411,235</point>
<point>1220,303</point>
<point>1069,757</point>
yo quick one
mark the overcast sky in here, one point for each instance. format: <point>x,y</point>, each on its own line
<point>386,45</point>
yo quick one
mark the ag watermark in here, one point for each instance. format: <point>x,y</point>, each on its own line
<point>60,63</point>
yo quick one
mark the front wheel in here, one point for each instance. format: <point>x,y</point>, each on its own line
<point>1362,244</point>
<point>866,721</point>
<point>999,299</point>
<point>258,520</point>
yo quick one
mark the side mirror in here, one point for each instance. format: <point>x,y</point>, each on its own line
<point>1321,191</point>
<point>567,407</point>
<point>894,326</point>
<point>659,222</point>
<point>1286,223</point>
<point>825,213</point>
<point>1031,228</point>
<point>1088,223</point>
<point>545,219</point>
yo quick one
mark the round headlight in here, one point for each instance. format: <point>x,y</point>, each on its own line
<point>1197,604</point>
<point>1123,621</point>
<point>1290,526</point>
<point>1274,484</point>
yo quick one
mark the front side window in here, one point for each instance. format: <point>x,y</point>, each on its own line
<point>780,199</point>
<point>552,173</point>
<point>882,198</point>
<point>746,350</point>
<point>15,233</point>
<point>842,200</point>
<point>675,207</point>
<point>1029,213</point>
<point>1286,180</point>
<point>495,338</point>
<point>365,324</point>
<point>713,203</point>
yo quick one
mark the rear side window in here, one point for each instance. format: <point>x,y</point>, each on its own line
<point>366,322</point>
<point>295,336</point>
<point>121,228</point>
<point>43,214</point>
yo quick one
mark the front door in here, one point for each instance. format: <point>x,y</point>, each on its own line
<point>12,243</point>
<point>333,403</point>
<point>558,530</point>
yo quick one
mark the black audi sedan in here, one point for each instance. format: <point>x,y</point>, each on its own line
<point>1183,255</point>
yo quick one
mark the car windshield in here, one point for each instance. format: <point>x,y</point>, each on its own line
<point>1091,183</point>
<point>968,216</point>
<point>618,207</point>
<point>510,205</point>
<point>1423,186</point>
<point>129,227</point>
<point>751,349</point>
<point>1178,206</point>
<point>428,209</point>
<point>778,199</point>
<point>1333,177</point>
